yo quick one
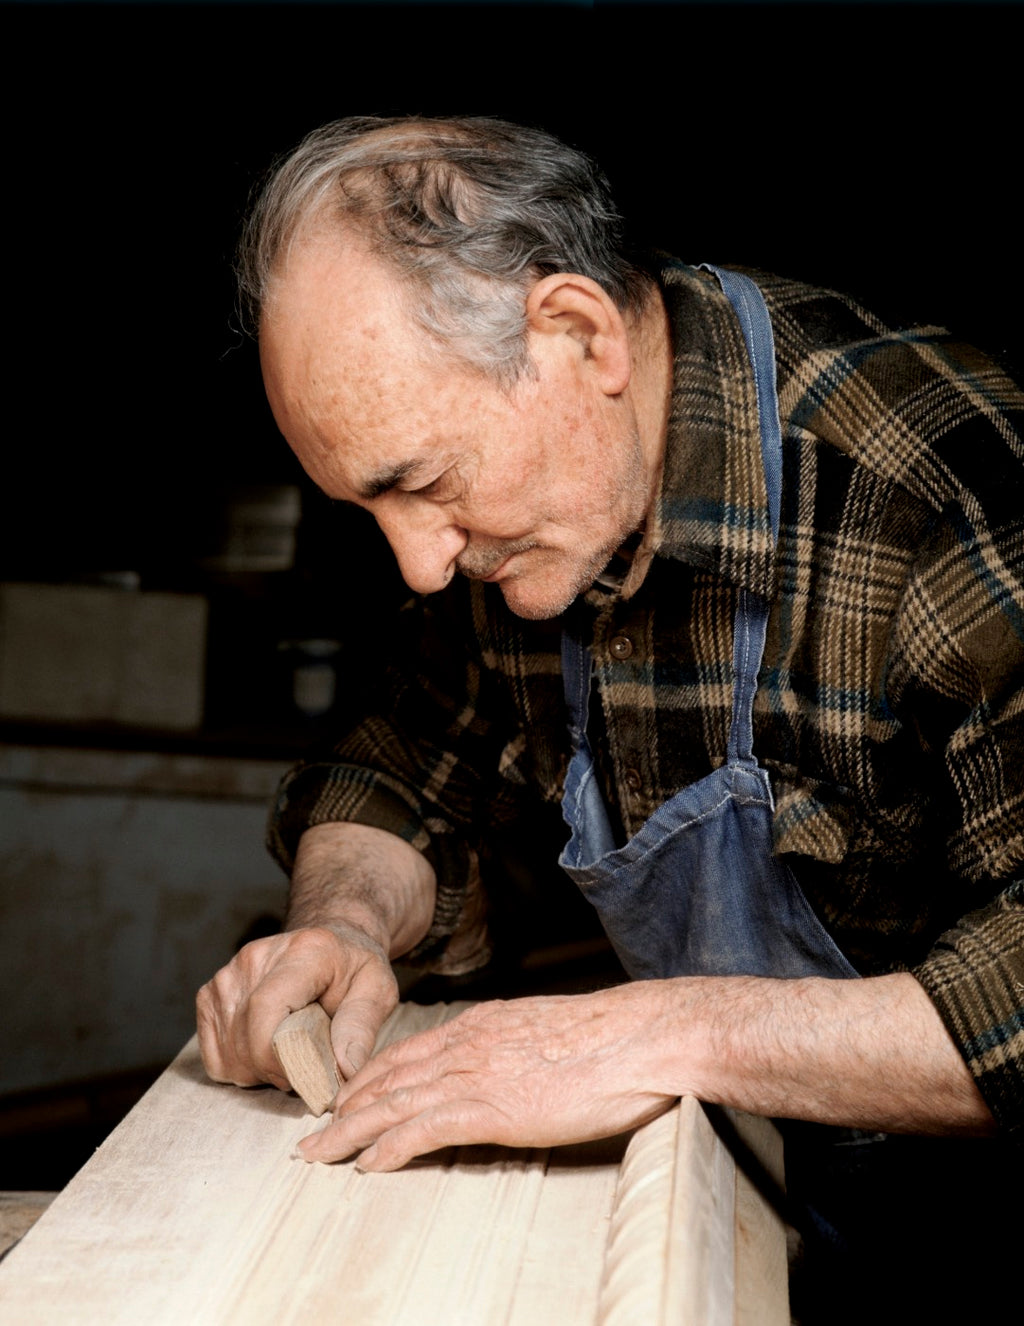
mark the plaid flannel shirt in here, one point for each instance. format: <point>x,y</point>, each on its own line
<point>890,708</point>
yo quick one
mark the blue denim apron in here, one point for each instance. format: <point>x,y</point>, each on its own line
<point>698,891</point>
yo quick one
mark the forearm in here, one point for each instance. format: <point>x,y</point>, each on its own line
<point>869,1054</point>
<point>356,875</point>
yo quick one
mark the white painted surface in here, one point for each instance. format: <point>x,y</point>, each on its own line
<point>83,653</point>
<point>125,882</point>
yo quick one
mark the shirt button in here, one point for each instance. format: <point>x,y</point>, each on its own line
<point>621,646</point>
<point>633,780</point>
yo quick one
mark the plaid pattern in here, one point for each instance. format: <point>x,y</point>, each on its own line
<point>890,711</point>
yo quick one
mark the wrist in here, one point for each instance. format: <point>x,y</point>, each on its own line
<point>353,875</point>
<point>868,1053</point>
<point>691,1038</point>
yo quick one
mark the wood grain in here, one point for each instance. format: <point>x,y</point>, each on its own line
<point>692,1239</point>
<point>671,1245</point>
<point>762,1271</point>
<point>196,1210</point>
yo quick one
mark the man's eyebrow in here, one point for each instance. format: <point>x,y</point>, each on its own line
<point>384,480</point>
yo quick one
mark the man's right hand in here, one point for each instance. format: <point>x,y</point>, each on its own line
<point>359,897</point>
<point>337,965</point>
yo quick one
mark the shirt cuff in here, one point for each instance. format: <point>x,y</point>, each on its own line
<point>975,977</point>
<point>330,794</point>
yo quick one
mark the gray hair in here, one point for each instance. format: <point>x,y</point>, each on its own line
<point>472,211</point>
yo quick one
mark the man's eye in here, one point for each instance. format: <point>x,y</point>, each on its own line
<point>442,487</point>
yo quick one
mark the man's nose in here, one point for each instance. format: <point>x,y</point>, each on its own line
<point>426,544</point>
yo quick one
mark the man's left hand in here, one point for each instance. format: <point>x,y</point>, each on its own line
<point>529,1072</point>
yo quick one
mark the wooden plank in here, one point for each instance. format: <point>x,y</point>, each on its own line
<point>670,1246</point>
<point>196,1210</point>
<point>574,1213</point>
<point>762,1271</point>
<point>692,1238</point>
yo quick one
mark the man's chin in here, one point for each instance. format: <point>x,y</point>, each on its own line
<point>536,602</point>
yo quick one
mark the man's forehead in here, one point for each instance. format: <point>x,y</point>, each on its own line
<point>361,421</point>
<point>341,323</point>
<point>330,282</point>
<point>365,396</point>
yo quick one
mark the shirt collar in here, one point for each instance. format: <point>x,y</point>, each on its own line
<point>711,509</point>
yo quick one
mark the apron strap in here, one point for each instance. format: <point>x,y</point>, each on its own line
<point>752,312</point>
<point>752,615</point>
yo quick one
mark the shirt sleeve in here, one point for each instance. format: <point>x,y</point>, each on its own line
<point>975,978</point>
<point>421,757</point>
<point>961,651</point>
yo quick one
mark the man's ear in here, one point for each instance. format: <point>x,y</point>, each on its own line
<point>565,304</point>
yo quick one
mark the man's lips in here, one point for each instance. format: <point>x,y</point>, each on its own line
<point>489,577</point>
<point>491,569</point>
<point>496,573</point>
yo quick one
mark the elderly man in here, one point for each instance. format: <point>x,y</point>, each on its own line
<point>774,674</point>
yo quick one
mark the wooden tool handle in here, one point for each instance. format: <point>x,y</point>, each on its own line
<point>303,1045</point>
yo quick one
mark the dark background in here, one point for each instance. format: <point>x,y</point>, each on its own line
<point>873,147</point>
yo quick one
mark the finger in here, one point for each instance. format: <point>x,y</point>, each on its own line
<point>292,983</point>
<point>452,1123</point>
<point>422,1053</point>
<point>370,997</point>
<point>223,1042</point>
<point>349,1133</point>
<point>254,1061</point>
<point>222,1014</point>
<point>209,1029</point>
<point>377,1081</point>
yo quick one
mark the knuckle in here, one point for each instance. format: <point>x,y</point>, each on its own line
<point>308,942</point>
<point>437,1127</point>
<point>400,1098</point>
<point>249,959</point>
<point>319,943</point>
<point>382,975</point>
<point>396,1148</point>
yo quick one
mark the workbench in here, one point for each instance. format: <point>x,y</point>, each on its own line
<point>196,1210</point>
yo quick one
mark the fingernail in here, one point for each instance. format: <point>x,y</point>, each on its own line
<point>365,1161</point>
<point>356,1055</point>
